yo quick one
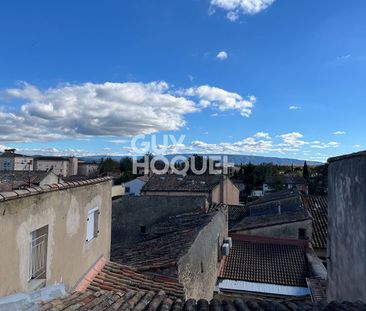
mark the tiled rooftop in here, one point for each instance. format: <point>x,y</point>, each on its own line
<point>189,183</point>
<point>164,245</point>
<point>16,194</point>
<point>317,205</point>
<point>288,200</point>
<point>236,213</point>
<point>266,260</point>
<point>116,277</point>
<point>253,222</point>
<point>158,301</point>
<point>318,289</point>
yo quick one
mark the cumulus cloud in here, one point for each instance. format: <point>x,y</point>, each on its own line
<point>107,109</point>
<point>221,99</point>
<point>321,145</point>
<point>294,107</point>
<point>259,143</point>
<point>339,133</point>
<point>222,55</point>
<point>262,135</point>
<point>293,139</point>
<point>236,7</point>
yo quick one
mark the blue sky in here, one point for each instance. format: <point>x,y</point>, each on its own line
<point>267,77</point>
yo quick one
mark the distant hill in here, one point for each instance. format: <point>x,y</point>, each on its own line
<point>236,159</point>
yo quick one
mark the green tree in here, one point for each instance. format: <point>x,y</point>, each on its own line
<point>108,166</point>
<point>305,172</point>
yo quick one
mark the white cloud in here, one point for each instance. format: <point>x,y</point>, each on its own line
<point>118,141</point>
<point>293,139</point>
<point>232,16</point>
<point>294,107</point>
<point>262,135</point>
<point>222,55</point>
<point>222,99</point>
<point>339,133</point>
<point>343,57</point>
<point>357,146</point>
<point>2,148</point>
<point>320,145</point>
<point>107,109</point>
<point>235,7</point>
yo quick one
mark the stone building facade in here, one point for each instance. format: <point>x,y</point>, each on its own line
<point>53,233</point>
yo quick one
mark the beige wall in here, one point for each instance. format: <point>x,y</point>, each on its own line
<point>232,192</point>
<point>50,179</point>
<point>17,163</point>
<point>65,212</point>
<point>73,166</point>
<point>118,191</point>
<point>226,192</point>
<point>60,167</point>
<point>87,169</point>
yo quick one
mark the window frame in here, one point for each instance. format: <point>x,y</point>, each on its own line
<point>94,214</point>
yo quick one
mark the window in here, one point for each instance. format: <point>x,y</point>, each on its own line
<point>143,229</point>
<point>38,254</point>
<point>302,234</point>
<point>127,190</point>
<point>92,224</point>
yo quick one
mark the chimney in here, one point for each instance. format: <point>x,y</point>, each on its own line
<point>9,151</point>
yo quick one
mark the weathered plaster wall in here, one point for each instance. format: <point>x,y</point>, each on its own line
<point>231,192</point>
<point>50,179</point>
<point>289,230</point>
<point>65,212</point>
<point>346,229</point>
<point>132,212</point>
<point>198,269</point>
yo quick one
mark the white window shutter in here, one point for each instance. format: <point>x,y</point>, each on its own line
<point>90,227</point>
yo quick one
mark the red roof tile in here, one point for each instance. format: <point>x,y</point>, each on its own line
<point>266,260</point>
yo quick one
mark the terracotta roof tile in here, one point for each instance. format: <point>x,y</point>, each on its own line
<point>264,260</point>
<point>318,289</point>
<point>164,245</point>
<point>188,183</point>
<point>252,222</point>
<point>317,205</point>
<point>158,301</point>
<point>117,277</point>
<point>4,196</point>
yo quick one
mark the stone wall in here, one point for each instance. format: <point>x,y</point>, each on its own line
<point>347,228</point>
<point>131,213</point>
<point>199,268</point>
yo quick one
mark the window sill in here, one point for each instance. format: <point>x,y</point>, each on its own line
<point>36,284</point>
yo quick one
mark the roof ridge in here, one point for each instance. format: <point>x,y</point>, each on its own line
<point>15,194</point>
